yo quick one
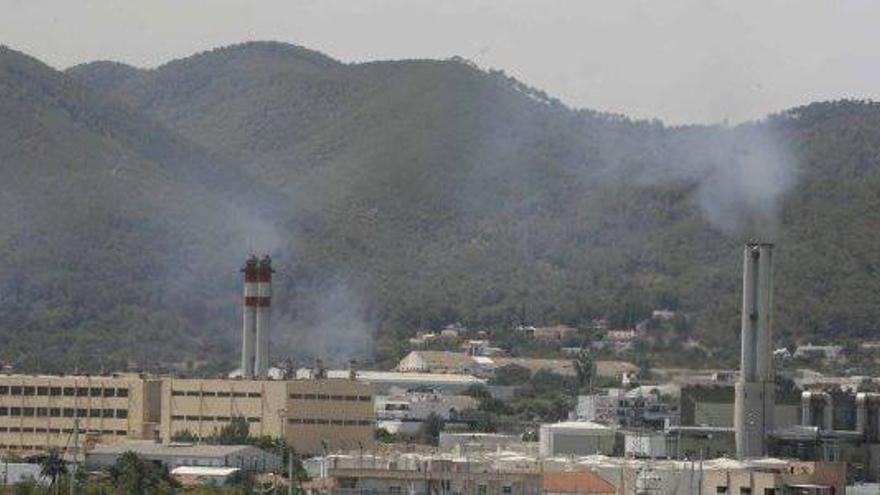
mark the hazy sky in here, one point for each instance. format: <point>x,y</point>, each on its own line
<point>678,60</point>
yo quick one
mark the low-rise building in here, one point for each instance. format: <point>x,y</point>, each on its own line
<point>663,314</point>
<point>822,351</point>
<point>418,406</point>
<point>504,472</point>
<point>645,444</point>
<point>418,474</point>
<point>653,407</point>
<point>481,442</point>
<point>554,333</point>
<point>579,438</point>
<point>621,335</point>
<point>243,457</point>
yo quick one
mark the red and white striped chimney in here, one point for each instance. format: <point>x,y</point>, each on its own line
<point>264,307</point>
<point>249,325</point>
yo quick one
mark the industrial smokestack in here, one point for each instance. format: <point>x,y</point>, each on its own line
<point>755,389</point>
<point>264,307</point>
<point>249,325</point>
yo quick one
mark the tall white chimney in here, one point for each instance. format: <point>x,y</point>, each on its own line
<point>249,324</point>
<point>264,307</point>
<point>755,396</point>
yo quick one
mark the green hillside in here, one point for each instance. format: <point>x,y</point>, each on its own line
<point>107,240</point>
<point>402,194</point>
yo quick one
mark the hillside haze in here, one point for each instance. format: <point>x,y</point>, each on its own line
<point>399,195</point>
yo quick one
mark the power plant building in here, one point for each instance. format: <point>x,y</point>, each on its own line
<point>308,414</point>
<point>38,413</point>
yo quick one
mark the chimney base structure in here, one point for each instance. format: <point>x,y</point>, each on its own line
<point>755,392</point>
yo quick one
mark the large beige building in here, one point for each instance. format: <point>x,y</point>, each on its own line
<point>308,414</point>
<point>38,413</point>
<point>41,412</point>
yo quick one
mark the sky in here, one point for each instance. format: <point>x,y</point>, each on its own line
<point>681,61</point>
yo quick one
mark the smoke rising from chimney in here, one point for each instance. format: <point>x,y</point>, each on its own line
<point>743,190</point>
<point>740,175</point>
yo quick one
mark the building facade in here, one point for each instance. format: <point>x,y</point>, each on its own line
<point>311,415</point>
<point>38,413</point>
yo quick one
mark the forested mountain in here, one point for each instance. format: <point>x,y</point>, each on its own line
<point>402,194</point>
<point>110,229</point>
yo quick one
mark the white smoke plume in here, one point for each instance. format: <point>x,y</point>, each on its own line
<point>334,328</point>
<point>749,175</point>
<point>741,175</point>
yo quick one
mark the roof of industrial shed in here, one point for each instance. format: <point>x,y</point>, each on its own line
<point>408,377</point>
<point>582,482</point>
<point>445,358</point>
<point>204,471</point>
<point>579,426</point>
<point>171,450</point>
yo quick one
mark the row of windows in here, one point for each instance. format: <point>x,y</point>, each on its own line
<point>362,398</point>
<point>58,431</point>
<point>27,448</point>
<point>335,422</point>
<point>206,393</point>
<point>63,412</point>
<point>746,490</point>
<point>223,419</point>
<point>63,391</point>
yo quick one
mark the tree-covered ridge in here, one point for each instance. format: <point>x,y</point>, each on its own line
<point>398,195</point>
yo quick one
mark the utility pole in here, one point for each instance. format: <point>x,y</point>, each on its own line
<point>75,453</point>
<point>289,472</point>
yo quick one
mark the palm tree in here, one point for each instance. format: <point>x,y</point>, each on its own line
<point>585,369</point>
<point>52,466</point>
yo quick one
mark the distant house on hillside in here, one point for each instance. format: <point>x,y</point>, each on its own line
<point>600,324</point>
<point>824,351</point>
<point>618,370</point>
<point>563,367</point>
<point>555,333</point>
<point>527,330</point>
<point>662,314</point>
<point>624,335</point>
<point>423,338</point>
